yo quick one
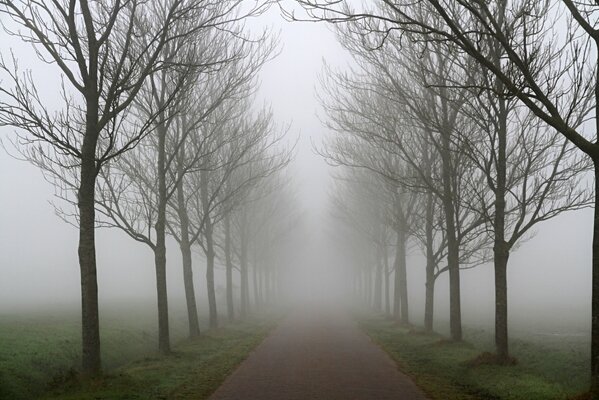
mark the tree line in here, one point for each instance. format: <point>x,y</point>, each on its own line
<point>154,130</point>
<point>459,127</point>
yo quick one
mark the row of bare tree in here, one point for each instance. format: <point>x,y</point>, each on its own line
<point>461,126</point>
<point>153,130</point>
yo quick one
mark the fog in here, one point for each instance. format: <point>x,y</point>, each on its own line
<point>548,276</point>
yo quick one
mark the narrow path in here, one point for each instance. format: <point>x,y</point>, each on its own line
<point>318,357</point>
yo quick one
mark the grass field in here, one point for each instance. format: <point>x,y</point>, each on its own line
<point>40,352</point>
<point>547,368</point>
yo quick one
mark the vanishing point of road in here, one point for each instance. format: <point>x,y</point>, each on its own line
<point>318,356</point>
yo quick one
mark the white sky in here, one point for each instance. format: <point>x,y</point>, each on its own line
<point>38,252</point>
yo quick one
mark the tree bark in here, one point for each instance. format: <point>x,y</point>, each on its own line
<point>387,285</point>
<point>255,284</point>
<point>210,255</point>
<point>429,303</point>
<point>378,284</point>
<point>160,248</point>
<point>245,298</point>
<point>90,321</point>
<point>185,246</point>
<point>403,282</point>
<point>229,269</point>
<point>501,250</point>
<point>399,256</point>
<point>453,251</point>
<point>369,299</point>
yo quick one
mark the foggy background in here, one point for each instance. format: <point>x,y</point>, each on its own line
<point>548,277</point>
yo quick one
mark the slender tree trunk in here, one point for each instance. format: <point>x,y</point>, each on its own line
<point>453,251</point>
<point>243,266</point>
<point>399,249</point>
<point>90,321</point>
<point>369,287</point>
<point>501,324</point>
<point>378,284</point>
<point>261,287</point>
<point>160,247</point>
<point>501,249</point>
<point>91,363</point>
<point>255,283</point>
<point>229,267</point>
<point>185,246</point>
<point>190,297</point>
<point>210,255</point>
<point>429,303</point>
<point>386,275</point>
<point>403,283</point>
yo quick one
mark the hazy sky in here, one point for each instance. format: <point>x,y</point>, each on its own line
<point>38,252</point>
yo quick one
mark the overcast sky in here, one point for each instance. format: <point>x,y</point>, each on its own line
<point>38,252</point>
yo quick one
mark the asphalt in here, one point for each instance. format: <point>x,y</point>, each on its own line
<point>318,355</point>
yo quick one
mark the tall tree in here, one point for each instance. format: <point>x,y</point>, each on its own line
<point>104,52</point>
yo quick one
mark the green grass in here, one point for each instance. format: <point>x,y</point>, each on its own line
<point>545,371</point>
<point>41,351</point>
<point>194,370</point>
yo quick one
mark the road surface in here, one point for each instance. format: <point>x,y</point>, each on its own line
<point>318,356</point>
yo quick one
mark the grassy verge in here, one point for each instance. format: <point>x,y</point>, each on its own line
<point>194,370</point>
<point>40,352</point>
<point>443,371</point>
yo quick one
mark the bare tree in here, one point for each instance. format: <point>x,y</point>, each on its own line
<point>392,110</point>
<point>105,53</point>
<point>260,160</point>
<point>216,61</point>
<point>548,63</point>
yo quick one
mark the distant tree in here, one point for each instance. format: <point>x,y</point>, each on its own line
<point>391,110</point>
<point>137,190</point>
<point>260,162</point>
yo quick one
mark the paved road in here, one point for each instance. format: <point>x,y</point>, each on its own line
<point>318,356</point>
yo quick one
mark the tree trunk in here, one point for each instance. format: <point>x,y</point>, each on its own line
<point>378,285</point>
<point>210,285</point>
<point>208,234</point>
<point>369,299</point>
<point>255,283</point>
<point>399,249</point>
<point>453,251</point>
<point>160,248</point>
<point>501,249</point>
<point>245,297</point>
<point>403,282</point>
<point>386,276</point>
<point>190,297</point>
<point>429,303</point>
<point>501,257</point>
<point>185,246</point>
<point>90,321</point>
<point>229,268</point>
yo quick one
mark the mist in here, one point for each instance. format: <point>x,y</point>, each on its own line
<point>298,199</point>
